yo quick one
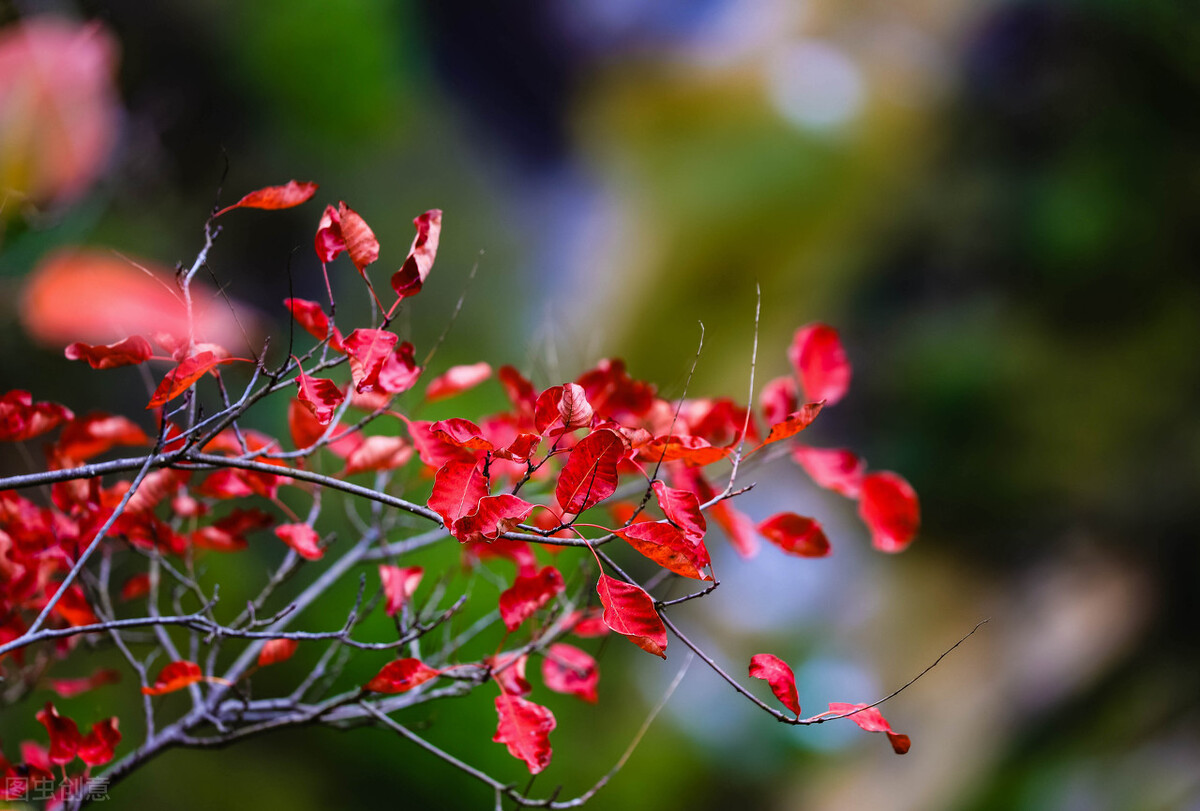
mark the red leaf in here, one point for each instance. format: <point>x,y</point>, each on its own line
<point>872,720</point>
<point>136,586</point>
<point>574,409</point>
<point>411,276</point>
<point>455,380</point>
<point>509,673</point>
<point>98,433</point>
<point>329,242</point>
<point>567,669</point>
<point>493,516</point>
<point>527,594</point>
<point>97,747</point>
<point>693,450</point>
<point>64,735</point>
<point>794,424</point>
<point>776,673</point>
<point>835,469</point>
<point>69,688</point>
<point>590,474</point>
<point>289,195</point>
<point>525,729</point>
<point>181,378</point>
<point>133,350</point>
<point>521,449</point>
<point>276,651</point>
<point>319,395</point>
<point>399,585</point>
<point>682,508</point>
<point>630,611</point>
<point>588,623</point>
<point>778,399</point>
<point>668,547</point>
<point>302,538</point>
<point>400,370</point>
<point>519,390</point>
<point>545,409</point>
<point>434,451</point>
<point>309,315</point>
<point>795,535</point>
<point>401,676</point>
<point>460,432</point>
<point>377,453</point>
<point>888,504</point>
<point>175,676</point>
<point>360,240</point>
<point>820,362</point>
<point>368,349</point>
<point>20,419</point>
<point>457,489</point>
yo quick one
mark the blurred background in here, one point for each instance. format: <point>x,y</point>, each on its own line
<point>996,203</point>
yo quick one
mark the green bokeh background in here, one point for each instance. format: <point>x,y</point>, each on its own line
<point>999,211</point>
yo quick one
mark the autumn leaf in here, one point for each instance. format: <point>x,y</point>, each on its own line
<point>98,746</point>
<point>835,469</point>
<point>276,651</point>
<point>368,349</point>
<point>64,734</point>
<point>133,350</point>
<point>302,538</point>
<point>456,380</point>
<point>289,195</point>
<point>399,371</point>
<point>69,688</point>
<point>97,433</point>
<point>692,450</point>
<point>360,239</point>
<point>776,673</point>
<point>457,489</point>
<point>21,418</point>
<point>820,363</point>
<point>460,432</point>
<point>411,276</point>
<point>319,395</point>
<point>630,611</point>
<point>682,508</point>
<point>309,315</point>
<point>871,720</point>
<point>778,399</point>
<point>329,242</point>
<point>377,452</point>
<point>889,507</point>
<point>181,378</point>
<point>175,676</point>
<point>493,516</point>
<point>401,676</point>
<point>667,546</point>
<point>795,535</point>
<point>567,669</point>
<point>792,425</point>
<point>527,594</point>
<point>399,585</point>
<point>590,474</point>
<point>525,729</point>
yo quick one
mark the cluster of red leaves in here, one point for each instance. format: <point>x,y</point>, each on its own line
<point>573,443</point>
<point>96,748</point>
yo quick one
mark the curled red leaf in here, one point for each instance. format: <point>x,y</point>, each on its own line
<point>820,362</point>
<point>319,395</point>
<point>796,535</point>
<point>889,507</point>
<point>181,378</point>
<point>793,424</point>
<point>21,419</point>
<point>493,516</point>
<point>329,242</point>
<point>309,315</point>
<point>460,432</point>
<point>368,350</point>
<point>872,720</point>
<point>289,195</point>
<point>401,676</point>
<point>99,744</point>
<point>64,734</point>
<point>411,276</point>
<point>775,672</point>
<point>630,611</point>
<point>133,350</point>
<point>682,508</point>
<point>525,729</point>
<point>457,489</point>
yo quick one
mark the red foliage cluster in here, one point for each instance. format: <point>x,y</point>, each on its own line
<point>597,440</point>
